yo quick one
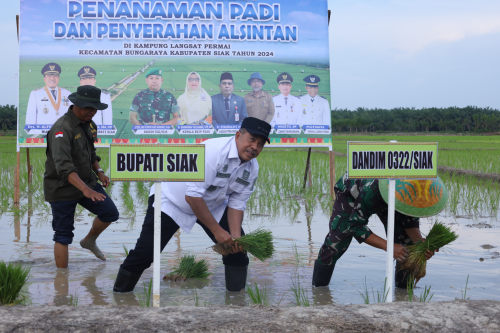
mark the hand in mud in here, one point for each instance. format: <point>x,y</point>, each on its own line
<point>400,252</point>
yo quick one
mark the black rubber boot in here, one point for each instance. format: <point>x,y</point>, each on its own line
<point>322,274</point>
<point>125,281</point>
<point>236,277</point>
<point>401,277</point>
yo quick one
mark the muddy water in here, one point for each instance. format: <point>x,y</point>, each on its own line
<point>87,281</point>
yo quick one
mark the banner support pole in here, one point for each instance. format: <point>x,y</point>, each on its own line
<point>156,246</point>
<point>308,171</point>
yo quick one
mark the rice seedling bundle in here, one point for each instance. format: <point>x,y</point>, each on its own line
<point>189,268</point>
<point>439,236</point>
<point>12,279</point>
<point>259,243</point>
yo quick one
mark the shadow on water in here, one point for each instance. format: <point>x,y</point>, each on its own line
<point>297,217</point>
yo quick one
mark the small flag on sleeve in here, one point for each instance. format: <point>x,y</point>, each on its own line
<point>59,134</point>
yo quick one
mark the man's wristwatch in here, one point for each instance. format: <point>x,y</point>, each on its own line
<point>99,170</point>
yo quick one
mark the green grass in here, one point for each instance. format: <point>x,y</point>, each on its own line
<point>12,279</point>
<point>377,296</point>
<point>299,293</point>
<point>257,295</point>
<point>189,268</point>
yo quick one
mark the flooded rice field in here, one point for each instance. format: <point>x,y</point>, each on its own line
<point>468,268</point>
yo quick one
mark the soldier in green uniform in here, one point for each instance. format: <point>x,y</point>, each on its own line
<point>154,106</point>
<point>357,199</point>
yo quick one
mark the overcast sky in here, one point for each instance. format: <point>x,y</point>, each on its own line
<point>386,53</point>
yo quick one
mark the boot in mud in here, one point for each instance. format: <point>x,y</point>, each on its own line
<point>236,277</point>
<point>125,281</point>
<point>322,274</point>
<point>401,277</point>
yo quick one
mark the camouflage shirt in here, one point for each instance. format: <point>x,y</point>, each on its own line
<point>359,199</point>
<point>154,106</point>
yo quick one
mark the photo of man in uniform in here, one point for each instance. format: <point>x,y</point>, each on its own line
<point>87,76</point>
<point>286,106</point>
<point>315,109</point>
<point>154,105</point>
<point>47,104</point>
<point>227,108</point>
<point>258,102</point>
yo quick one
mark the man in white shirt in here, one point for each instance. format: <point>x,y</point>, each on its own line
<point>217,204</point>
<point>286,106</point>
<point>87,78</point>
<point>47,104</point>
<point>315,109</point>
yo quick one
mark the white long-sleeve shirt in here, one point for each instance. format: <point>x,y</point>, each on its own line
<point>228,183</point>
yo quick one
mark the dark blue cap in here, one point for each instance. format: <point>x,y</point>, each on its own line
<point>312,80</point>
<point>51,68</point>
<point>284,78</point>
<point>86,72</point>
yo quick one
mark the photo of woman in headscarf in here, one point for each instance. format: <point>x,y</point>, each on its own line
<point>195,104</point>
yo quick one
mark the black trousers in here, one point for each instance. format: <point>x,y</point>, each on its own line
<point>141,256</point>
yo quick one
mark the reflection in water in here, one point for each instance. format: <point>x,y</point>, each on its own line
<point>235,298</point>
<point>61,287</point>
<point>322,296</point>
<point>98,297</point>
<point>125,299</point>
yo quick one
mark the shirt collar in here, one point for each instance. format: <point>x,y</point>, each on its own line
<point>233,150</point>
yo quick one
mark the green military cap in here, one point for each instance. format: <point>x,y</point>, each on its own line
<point>154,71</point>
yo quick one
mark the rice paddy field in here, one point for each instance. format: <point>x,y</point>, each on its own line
<point>468,268</point>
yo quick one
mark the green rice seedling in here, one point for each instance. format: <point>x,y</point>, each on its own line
<point>189,268</point>
<point>380,297</point>
<point>426,295</point>
<point>439,236</point>
<point>300,294</point>
<point>12,279</point>
<point>257,295</point>
<point>410,289</point>
<point>196,298</point>
<point>259,243</point>
<point>148,290</point>
<point>464,292</point>
<point>73,300</point>
<point>125,249</point>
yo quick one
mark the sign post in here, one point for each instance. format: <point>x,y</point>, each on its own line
<point>392,160</point>
<point>158,163</point>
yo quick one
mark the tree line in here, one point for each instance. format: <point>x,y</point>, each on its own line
<point>452,119</point>
<point>8,117</point>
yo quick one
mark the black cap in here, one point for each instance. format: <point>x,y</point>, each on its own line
<point>284,78</point>
<point>257,127</point>
<point>88,97</point>
<point>51,68</point>
<point>226,76</point>
<point>86,72</point>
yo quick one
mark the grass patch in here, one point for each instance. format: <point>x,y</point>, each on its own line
<point>257,295</point>
<point>12,279</point>
<point>189,268</point>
